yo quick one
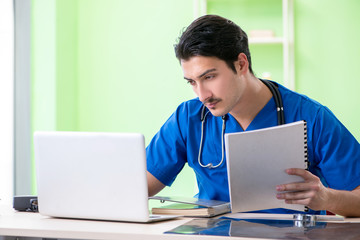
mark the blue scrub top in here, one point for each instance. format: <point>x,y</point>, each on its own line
<point>334,154</point>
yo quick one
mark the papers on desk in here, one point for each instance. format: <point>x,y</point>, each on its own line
<point>269,228</point>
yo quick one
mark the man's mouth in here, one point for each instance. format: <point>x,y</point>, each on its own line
<point>212,103</point>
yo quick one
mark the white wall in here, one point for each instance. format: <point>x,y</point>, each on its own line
<point>22,98</point>
<point>6,100</point>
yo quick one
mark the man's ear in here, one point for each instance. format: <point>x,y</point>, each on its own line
<point>242,63</point>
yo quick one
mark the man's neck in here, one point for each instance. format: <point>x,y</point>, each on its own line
<point>256,96</point>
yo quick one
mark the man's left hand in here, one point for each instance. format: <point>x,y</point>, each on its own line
<point>311,192</point>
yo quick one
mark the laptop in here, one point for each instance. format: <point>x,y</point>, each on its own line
<point>90,175</point>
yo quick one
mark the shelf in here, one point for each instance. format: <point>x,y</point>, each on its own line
<point>286,39</point>
<point>266,40</point>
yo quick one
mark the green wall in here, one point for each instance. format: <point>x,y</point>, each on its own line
<point>256,15</point>
<point>108,65</point>
<point>327,56</point>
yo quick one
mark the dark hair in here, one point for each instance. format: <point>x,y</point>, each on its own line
<point>213,36</point>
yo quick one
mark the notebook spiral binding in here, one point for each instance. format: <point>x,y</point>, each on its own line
<point>306,147</point>
<point>306,159</point>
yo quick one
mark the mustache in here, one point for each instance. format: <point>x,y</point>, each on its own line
<point>211,100</point>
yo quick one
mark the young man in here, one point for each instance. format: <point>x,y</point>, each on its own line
<point>216,62</point>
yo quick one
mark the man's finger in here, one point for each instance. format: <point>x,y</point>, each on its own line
<point>305,174</point>
<point>299,186</point>
<point>295,195</point>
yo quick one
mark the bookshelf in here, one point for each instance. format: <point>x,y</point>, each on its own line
<point>285,38</point>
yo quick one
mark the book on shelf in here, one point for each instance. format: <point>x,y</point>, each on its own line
<point>190,207</point>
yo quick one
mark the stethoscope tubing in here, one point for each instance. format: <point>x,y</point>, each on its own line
<point>278,101</point>
<point>280,119</point>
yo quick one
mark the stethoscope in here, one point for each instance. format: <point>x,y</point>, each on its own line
<point>204,112</point>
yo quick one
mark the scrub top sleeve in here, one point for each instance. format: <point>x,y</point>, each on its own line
<point>337,152</point>
<point>166,153</point>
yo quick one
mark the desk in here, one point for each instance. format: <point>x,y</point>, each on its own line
<point>22,224</point>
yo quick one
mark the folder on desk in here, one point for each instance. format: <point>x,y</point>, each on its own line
<point>256,164</point>
<point>191,207</point>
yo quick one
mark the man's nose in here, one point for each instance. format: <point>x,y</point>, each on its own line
<point>203,93</point>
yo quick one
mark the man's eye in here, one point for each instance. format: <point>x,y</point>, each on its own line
<point>209,76</point>
<point>191,82</point>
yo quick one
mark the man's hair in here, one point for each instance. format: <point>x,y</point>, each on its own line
<point>213,36</point>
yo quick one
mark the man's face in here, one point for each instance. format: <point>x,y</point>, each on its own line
<point>214,82</point>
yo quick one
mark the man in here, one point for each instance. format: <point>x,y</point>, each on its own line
<point>215,59</point>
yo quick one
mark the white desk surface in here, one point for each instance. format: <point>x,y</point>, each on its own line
<point>24,224</point>
<point>35,225</point>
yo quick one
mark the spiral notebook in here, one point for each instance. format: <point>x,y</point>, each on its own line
<point>256,163</point>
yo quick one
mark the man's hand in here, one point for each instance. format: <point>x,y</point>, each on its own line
<point>311,192</point>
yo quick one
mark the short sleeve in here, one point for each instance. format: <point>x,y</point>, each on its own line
<point>166,153</point>
<point>337,152</point>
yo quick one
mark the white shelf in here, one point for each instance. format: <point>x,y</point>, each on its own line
<point>266,40</point>
<point>287,40</point>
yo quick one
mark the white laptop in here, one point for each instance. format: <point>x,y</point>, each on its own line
<point>89,175</point>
